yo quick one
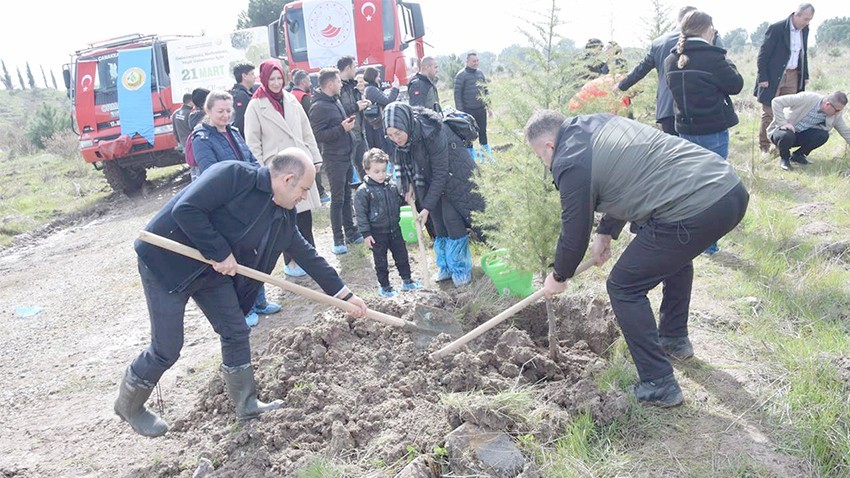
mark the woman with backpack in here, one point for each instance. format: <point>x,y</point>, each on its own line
<point>437,169</point>
<point>214,141</point>
<point>373,114</point>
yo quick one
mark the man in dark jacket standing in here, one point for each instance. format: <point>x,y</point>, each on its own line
<point>333,129</point>
<point>422,89</point>
<point>471,96</point>
<point>180,122</point>
<point>679,198</point>
<point>236,213</point>
<point>242,91</point>
<point>783,64</point>
<point>353,103</point>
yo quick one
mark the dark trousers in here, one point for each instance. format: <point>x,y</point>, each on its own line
<point>357,156</point>
<point>304,220</point>
<point>807,140</point>
<point>480,116</point>
<point>342,216</point>
<point>663,252</point>
<point>448,222</point>
<point>395,244</point>
<point>375,138</point>
<point>319,185</point>
<point>216,297</point>
<point>668,125</point>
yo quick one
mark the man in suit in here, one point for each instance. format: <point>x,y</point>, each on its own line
<point>783,64</point>
<point>236,213</point>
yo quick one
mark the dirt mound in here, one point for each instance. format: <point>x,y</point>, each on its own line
<point>358,388</point>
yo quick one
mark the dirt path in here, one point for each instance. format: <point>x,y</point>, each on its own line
<point>59,369</point>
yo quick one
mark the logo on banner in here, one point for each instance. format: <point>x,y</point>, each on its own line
<point>133,78</point>
<point>329,24</point>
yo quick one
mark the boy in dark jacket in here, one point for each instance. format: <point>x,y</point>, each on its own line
<point>378,204</point>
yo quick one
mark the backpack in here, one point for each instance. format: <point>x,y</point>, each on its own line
<point>462,124</point>
<point>189,153</point>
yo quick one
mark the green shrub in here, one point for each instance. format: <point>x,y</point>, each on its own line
<point>48,120</point>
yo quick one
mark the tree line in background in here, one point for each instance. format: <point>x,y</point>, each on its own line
<point>6,78</point>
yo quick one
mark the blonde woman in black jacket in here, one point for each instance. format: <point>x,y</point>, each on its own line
<point>701,80</point>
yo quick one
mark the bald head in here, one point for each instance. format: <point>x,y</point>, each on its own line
<point>292,175</point>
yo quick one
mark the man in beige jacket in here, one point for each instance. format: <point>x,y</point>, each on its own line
<point>804,120</point>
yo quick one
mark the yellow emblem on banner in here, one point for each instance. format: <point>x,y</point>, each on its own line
<point>133,78</point>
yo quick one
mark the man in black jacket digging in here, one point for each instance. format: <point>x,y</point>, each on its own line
<point>235,213</point>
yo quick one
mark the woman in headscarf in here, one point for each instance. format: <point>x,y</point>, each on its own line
<point>274,120</point>
<point>438,169</point>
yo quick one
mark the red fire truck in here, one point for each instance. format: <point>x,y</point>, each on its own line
<point>387,33</point>
<point>93,90</point>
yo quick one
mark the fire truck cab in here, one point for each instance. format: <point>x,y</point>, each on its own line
<point>92,82</point>
<point>397,24</point>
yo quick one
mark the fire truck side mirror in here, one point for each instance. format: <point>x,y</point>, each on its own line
<point>418,22</point>
<point>276,46</point>
<point>66,75</point>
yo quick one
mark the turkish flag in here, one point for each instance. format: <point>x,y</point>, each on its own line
<point>84,94</point>
<point>369,29</point>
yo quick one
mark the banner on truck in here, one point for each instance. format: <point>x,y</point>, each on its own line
<point>208,61</point>
<point>330,31</point>
<point>135,106</point>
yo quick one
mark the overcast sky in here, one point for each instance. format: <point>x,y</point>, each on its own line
<point>46,33</point>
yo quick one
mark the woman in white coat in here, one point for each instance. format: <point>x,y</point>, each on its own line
<point>274,120</point>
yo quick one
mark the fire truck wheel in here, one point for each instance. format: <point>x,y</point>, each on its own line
<point>124,180</point>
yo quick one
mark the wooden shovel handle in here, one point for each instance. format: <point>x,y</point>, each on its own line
<point>311,294</point>
<point>423,257</point>
<point>474,333</point>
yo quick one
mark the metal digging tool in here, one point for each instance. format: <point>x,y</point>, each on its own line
<point>474,333</point>
<point>433,321</point>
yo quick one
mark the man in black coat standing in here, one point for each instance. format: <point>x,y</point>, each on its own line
<point>235,213</point>
<point>471,96</point>
<point>242,92</point>
<point>783,64</point>
<point>422,89</point>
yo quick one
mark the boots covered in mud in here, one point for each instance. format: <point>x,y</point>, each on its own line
<point>243,391</point>
<point>130,406</point>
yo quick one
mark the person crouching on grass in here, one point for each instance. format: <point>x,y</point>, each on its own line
<point>377,203</point>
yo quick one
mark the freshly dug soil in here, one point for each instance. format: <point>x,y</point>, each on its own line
<point>365,394</point>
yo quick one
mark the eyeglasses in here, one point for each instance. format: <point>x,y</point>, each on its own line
<point>837,110</point>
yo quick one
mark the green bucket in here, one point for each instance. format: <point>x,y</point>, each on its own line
<point>408,224</point>
<point>506,280</point>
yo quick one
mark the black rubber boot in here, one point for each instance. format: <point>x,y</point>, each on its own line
<point>130,406</point>
<point>663,392</point>
<point>678,348</point>
<point>243,392</point>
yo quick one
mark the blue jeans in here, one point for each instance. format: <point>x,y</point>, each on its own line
<point>216,297</point>
<point>715,142</point>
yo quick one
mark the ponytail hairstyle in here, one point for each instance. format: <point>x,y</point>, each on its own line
<point>694,24</point>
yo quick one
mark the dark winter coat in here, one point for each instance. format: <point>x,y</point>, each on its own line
<point>378,207</point>
<point>180,123</point>
<point>229,209</point>
<point>444,163</point>
<point>702,88</point>
<point>349,96</point>
<point>773,57</point>
<point>379,99</point>
<point>654,59</point>
<point>241,97</point>
<point>210,146</point>
<point>326,117</point>
<point>423,93</point>
<point>470,90</point>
